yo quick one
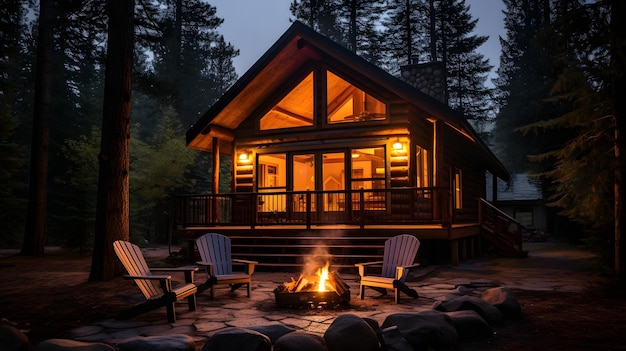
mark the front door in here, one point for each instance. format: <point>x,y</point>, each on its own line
<point>319,178</point>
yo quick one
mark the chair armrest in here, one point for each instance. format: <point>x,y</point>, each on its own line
<point>188,270</point>
<point>148,277</point>
<point>175,269</point>
<point>368,263</point>
<point>209,266</point>
<point>250,265</point>
<point>363,266</point>
<point>402,271</point>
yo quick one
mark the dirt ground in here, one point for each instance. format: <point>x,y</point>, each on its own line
<point>47,296</point>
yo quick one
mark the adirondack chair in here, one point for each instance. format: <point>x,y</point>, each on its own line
<point>398,258</point>
<point>157,289</point>
<point>215,255</point>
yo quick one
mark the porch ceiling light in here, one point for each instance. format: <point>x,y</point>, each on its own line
<point>243,156</point>
<point>398,145</point>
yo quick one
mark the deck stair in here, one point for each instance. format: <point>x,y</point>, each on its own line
<point>290,251</point>
<point>501,230</point>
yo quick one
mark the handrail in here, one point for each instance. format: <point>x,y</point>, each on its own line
<point>312,207</point>
<point>496,226</point>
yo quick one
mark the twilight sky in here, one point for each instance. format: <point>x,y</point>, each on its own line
<point>252,26</point>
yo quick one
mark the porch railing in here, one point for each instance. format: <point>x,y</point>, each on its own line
<point>360,207</point>
<point>503,231</point>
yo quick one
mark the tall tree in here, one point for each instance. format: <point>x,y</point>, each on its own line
<point>34,234</point>
<point>11,154</point>
<point>352,23</point>
<point>467,69</point>
<point>527,72</point>
<point>188,52</point>
<point>112,211</point>
<point>406,28</point>
<point>586,169</point>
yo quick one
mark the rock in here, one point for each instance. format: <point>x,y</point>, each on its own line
<point>177,342</point>
<point>470,325</point>
<point>300,341</point>
<point>71,345</point>
<point>424,329</point>
<point>239,339</point>
<point>489,312</point>
<point>350,332</point>
<point>393,340</point>
<point>12,339</point>
<point>504,300</point>
<point>273,331</point>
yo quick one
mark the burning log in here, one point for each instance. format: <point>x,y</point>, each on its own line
<point>323,288</point>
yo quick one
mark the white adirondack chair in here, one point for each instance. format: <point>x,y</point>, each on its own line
<point>215,255</point>
<point>398,258</point>
<point>157,289</point>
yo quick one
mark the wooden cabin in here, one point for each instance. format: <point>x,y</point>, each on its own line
<point>331,151</point>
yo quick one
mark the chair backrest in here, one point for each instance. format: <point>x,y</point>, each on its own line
<point>399,251</point>
<point>215,248</point>
<point>131,257</point>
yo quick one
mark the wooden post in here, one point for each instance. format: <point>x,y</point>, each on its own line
<point>454,252</point>
<point>215,181</point>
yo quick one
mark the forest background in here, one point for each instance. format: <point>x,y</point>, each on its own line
<point>554,110</point>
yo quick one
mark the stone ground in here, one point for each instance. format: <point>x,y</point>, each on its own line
<point>563,300</point>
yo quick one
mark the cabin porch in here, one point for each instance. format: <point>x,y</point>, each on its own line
<point>349,234</point>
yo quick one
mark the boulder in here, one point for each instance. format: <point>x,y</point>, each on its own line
<point>273,331</point>
<point>504,300</point>
<point>13,339</point>
<point>393,340</point>
<point>350,332</point>
<point>300,341</point>
<point>175,342</point>
<point>424,329</point>
<point>470,325</point>
<point>239,339</point>
<point>489,312</point>
<point>71,345</point>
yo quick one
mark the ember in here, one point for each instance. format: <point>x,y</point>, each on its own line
<point>324,288</point>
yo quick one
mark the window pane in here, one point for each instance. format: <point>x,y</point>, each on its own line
<point>294,110</point>
<point>347,103</point>
<point>367,164</point>
<point>333,173</point>
<point>303,179</point>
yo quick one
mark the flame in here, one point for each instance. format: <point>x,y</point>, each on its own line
<point>322,273</point>
<point>319,282</point>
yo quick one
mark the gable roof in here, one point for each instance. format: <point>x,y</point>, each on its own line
<point>289,53</point>
<point>520,187</point>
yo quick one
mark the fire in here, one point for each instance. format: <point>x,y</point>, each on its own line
<point>322,274</point>
<point>320,282</point>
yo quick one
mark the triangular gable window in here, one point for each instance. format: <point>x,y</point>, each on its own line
<point>347,103</point>
<point>294,110</point>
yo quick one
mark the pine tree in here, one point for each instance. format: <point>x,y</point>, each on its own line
<point>528,70</point>
<point>11,153</point>
<point>587,169</point>
<point>188,52</point>
<point>351,23</point>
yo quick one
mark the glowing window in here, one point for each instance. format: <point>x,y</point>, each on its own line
<point>347,103</point>
<point>294,110</point>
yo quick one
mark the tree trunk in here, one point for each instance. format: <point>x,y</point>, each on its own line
<point>618,65</point>
<point>112,212</point>
<point>34,233</point>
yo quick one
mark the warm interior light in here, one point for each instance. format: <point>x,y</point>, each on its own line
<point>243,156</point>
<point>398,145</point>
